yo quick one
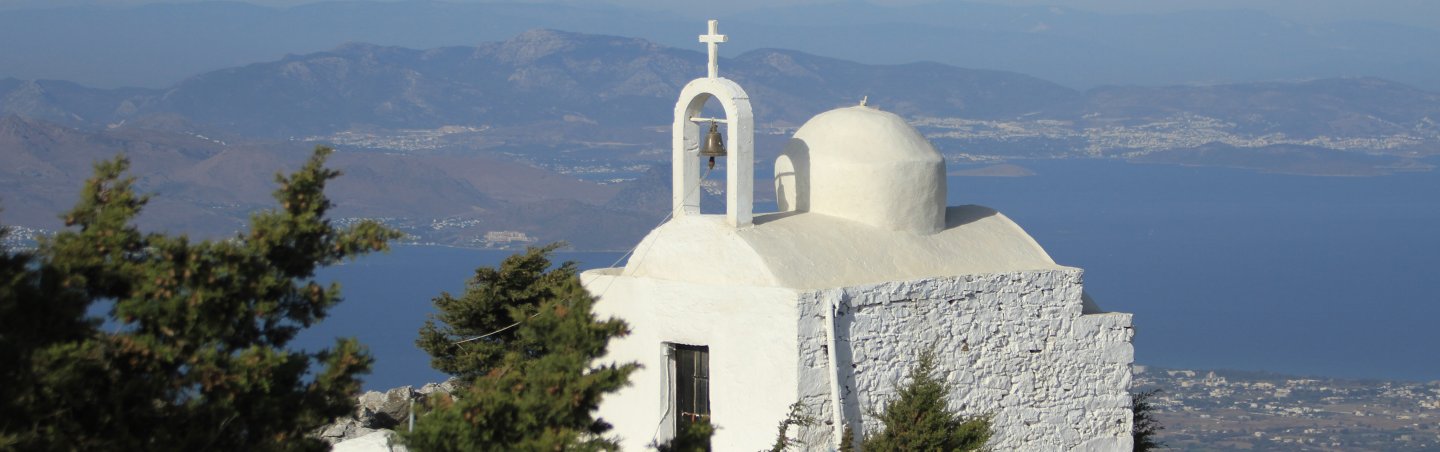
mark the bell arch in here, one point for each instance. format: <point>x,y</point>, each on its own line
<point>739,137</point>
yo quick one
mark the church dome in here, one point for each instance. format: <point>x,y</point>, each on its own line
<point>865,165</point>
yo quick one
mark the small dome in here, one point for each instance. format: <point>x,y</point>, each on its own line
<point>866,165</point>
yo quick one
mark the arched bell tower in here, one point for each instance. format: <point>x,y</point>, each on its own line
<point>740,135</point>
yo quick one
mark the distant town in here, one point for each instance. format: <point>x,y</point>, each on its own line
<point>960,139</point>
<point>1177,132</point>
<point>1219,410</point>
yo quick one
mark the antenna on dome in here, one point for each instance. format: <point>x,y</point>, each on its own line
<point>865,100</point>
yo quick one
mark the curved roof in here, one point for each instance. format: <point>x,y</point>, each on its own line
<point>865,165</point>
<point>807,250</point>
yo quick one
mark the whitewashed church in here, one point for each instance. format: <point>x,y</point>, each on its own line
<point>829,300</point>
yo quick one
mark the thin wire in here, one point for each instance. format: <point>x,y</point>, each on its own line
<point>492,333</point>
<point>667,217</point>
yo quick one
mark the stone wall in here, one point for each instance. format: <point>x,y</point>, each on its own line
<point>1014,345</point>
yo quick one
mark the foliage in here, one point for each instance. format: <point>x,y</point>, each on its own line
<point>695,437</point>
<point>796,417</point>
<point>1145,427</point>
<point>190,352</point>
<point>496,301</point>
<point>919,420</point>
<point>531,384</point>
<point>847,443</point>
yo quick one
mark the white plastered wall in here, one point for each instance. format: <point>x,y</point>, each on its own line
<point>751,332</point>
<point>1014,345</point>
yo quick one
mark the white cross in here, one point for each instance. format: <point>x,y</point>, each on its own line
<point>713,41</point>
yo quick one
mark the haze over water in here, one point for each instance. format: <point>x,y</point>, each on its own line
<point>1223,269</point>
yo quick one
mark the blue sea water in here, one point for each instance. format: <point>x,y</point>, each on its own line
<point>1328,276</point>
<point>387,300</point>
<point>1223,269</point>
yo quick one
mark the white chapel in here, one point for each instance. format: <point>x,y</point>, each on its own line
<point>829,300</point>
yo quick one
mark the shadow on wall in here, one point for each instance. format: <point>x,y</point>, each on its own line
<point>845,364</point>
<point>792,177</point>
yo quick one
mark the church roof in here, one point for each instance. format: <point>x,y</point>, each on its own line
<point>808,250</point>
<point>865,165</point>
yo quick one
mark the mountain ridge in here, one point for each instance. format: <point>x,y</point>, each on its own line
<point>1074,47</point>
<point>549,75</point>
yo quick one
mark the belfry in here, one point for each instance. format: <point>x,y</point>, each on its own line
<point>827,301</point>
<point>739,123</point>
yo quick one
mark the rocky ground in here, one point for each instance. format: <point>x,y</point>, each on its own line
<point>377,417</point>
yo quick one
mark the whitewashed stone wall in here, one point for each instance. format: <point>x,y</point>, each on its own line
<point>1014,345</point>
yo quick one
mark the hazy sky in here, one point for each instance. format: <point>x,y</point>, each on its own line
<point>1410,12</point>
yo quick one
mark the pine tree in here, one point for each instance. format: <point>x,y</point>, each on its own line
<point>522,340</point>
<point>919,420</point>
<point>191,350</point>
<point>1145,427</point>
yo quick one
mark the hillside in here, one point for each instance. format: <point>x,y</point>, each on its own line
<point>208,188</point>
<point>546,75</point>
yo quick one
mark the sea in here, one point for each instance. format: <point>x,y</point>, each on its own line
<point>1222,268</point>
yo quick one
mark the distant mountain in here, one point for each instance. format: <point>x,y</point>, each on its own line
<point>1084,49</point>
<point>539,75</point>
<point>208,188</point>
<point>546,86</point>
<point>158,44</point>
<point>67,102</point>
<point>42,165</point>
<point>800,85</point>
<point>546,75</point>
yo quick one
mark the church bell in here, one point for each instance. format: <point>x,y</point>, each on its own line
<point>714,146</point>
